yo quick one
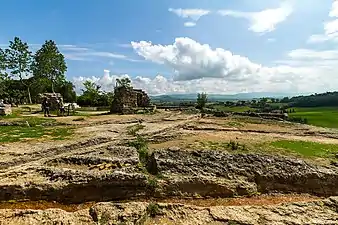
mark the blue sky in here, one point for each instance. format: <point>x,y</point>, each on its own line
<point>273,45</point>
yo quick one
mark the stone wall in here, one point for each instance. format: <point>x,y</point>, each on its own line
<point>127,99</point>
<point>52,99</point>
<point>5,109</point>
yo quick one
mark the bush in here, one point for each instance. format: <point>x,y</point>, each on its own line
<point>298,120</point>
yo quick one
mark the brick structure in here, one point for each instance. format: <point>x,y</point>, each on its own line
<point>127,100</point>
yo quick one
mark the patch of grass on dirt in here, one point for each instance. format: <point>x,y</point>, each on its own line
<point>318,116</point>
<point>38,127</point>
<point>306,148</point>
<point>141,144</point>
<point>153,209</point>
<point>216,145</point>
<point>61,133</point>
<point>234,108</point>
<point>132,130</point>
<point>16,133</point>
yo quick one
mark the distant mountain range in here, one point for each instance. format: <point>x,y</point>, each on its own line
<point>223,97</point>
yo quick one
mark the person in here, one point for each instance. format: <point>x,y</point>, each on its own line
<point>61,108</point>
<point>45,107</point>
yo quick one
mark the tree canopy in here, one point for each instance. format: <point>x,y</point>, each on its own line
<point>19,60</point>
<point>22,78</point>
<point>50,63</point>
<point>202,99</point>
<point>123,82</point>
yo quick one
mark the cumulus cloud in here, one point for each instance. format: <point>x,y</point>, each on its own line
<point>192,14</point>
<point>263,21</point>
<point>191,60</point>
<point>197,67</point>
<point>330,27</point>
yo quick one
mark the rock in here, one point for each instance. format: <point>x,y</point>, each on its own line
<point>119,213</point>
<point>127,99</point>
<point>5,109</point>
<point>267,173</point>
<point>316,212</point>
<point>46,217</point>
<point>52,98</point>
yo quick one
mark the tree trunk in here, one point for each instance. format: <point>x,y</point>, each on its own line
<point>53,87</point>
<point>29,95</point>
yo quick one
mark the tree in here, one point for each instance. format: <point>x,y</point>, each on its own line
<point>91,94</point>
<point>123,82</point>
<point>202,99</point>
<point>19,62</point>
<point>3,74</point>
<point>50,63</point>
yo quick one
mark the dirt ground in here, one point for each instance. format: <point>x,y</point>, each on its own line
<point>164,129</point>
<point>174,129</point>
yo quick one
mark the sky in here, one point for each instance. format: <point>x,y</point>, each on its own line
<point>175,46</point>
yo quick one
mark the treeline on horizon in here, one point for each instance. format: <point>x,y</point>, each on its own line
<point>315,100</point>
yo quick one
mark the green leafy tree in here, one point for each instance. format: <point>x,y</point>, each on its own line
<point>50,63</point>
<point>123,82</point>
<point>202,99</point>
<point>3,74</point>
<point>19,61</point>
<point>91,94</point>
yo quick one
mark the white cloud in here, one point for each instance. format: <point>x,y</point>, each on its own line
<point>309,54</point>
<point>330,27</point>
<point>191,60</point>
<point>124,45</point>
<point>263,21</point>
<point>192,14</point>
<point>72,52</point>
<point>189,24</point>
<point>219,70</point>
<point>271,40</point>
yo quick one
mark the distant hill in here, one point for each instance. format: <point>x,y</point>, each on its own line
<point>219,97</point>
<point>314,100</point>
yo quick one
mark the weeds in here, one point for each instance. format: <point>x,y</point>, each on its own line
<point>153,209</point>
<point>141,145</point>
<point>236,146</point>
<point>132,130</point>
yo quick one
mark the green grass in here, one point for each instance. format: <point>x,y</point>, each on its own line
<point>307,149</point>
<point>132,130</point>
<point>35,130</point>
<point>233,109</point>
<point>319,116</point>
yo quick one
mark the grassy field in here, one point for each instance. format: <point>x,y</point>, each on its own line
<point>38,128</point>
<point>307,149</point>
<point>233,109</point>
<point>319,116</point>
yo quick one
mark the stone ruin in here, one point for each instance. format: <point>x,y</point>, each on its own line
<point>5,109</point>
<point>52,98</point>
<point>128,100</point>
